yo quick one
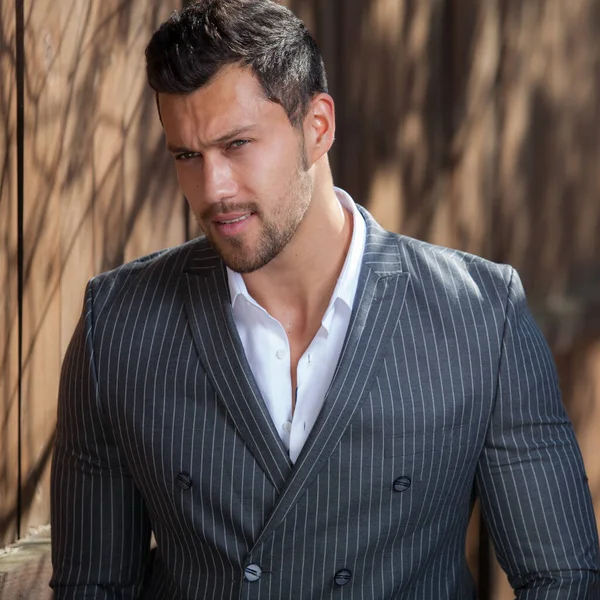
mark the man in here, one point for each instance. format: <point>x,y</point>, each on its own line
<point>300,404</point>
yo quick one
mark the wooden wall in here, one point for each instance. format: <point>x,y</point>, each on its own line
<point>471,124</point>
<point>98,189</point>
<point>9,301</point>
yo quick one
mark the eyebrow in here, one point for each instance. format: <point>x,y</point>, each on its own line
<point>230,135</point>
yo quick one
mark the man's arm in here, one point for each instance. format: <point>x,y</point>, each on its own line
<point>100,529</point>
<point>530,478</point>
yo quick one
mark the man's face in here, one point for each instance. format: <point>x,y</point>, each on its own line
<point>241,166</point>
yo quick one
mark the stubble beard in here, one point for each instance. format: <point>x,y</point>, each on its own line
<point>276,233</point>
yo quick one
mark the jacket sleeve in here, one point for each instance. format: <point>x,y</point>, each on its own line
<point>530,477</point>
<point>100,528</point>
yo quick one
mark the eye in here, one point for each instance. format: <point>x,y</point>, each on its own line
<point>183,156</point>
<point>238,144</point>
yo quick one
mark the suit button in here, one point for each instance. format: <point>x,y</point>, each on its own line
<point>184,481</point>
<point>252,572</point>
<point>343,577</point>
<point>402,484</point>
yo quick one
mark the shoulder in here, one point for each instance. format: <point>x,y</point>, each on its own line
<point>434,268</point>
<point>445,265</point>
<point>455,291</point>
<point>441,276</point>
<point>143,277</point>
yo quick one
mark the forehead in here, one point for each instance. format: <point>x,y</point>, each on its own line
<point>233,99</point>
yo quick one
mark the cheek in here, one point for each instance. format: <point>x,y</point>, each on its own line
<point>190,188</point>
<point>187,181</point>
<point>190,184</point>
<point>270,167</point>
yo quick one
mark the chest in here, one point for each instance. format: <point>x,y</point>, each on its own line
<point>287,356</point>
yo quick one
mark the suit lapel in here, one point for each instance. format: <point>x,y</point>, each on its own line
<point>206,296</point>
<point>377,307</point>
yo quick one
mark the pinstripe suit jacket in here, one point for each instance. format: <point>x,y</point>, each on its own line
<point>445,390</point>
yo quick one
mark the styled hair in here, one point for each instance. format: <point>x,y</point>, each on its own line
<point>193,45</point>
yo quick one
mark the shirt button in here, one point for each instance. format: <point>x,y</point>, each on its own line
<point>280,354</point>
<point>343,577</point>
<point>402,484</point>
<point>287,426</point>
<point>252,573</point>
<point>184,481</point>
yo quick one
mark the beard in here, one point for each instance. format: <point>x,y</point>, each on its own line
<point>276,231</point>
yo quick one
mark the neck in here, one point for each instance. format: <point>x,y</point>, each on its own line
<point>299,282</point>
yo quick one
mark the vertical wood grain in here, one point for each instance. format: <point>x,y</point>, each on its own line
<point>100,189</point>
<point>9,342</point>
<point>44,142</point>
<point>474,48</point>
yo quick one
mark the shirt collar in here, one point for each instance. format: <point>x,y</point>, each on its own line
<point>345,289</point>
<point>346,285</point>
<point>237,287</point>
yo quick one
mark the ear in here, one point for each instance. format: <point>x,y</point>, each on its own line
<point>319,127</point>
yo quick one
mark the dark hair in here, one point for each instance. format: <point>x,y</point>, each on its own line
<point>188,50</point>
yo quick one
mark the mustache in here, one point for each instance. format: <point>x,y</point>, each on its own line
<point>222,209</point>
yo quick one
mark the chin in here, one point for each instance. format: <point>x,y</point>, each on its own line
<point>242,266</point>
<point>242,263</point>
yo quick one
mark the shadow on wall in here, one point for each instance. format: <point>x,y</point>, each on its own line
<point>546,214</point>
<point>99,190</point>
<point>384,61</point>
<point>8,274</point>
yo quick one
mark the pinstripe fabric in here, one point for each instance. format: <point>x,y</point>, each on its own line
<point>445,387</point>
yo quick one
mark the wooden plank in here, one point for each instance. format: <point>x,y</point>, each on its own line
<point>474,40</point>
<point>99,189</point>
<point>389,142</point>
<point>155,209</point>
<point>547,215</point>
<point>44,144</point>
<point>137,201</point>
<point>372,103</point>
<point>9,343</point>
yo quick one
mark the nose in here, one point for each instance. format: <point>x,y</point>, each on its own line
<point>218,179</point>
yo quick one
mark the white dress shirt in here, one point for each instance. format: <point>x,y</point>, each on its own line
<point>268,351</point>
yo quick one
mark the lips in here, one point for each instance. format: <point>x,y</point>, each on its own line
<point>233,220</point>
<point>232,224</point>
